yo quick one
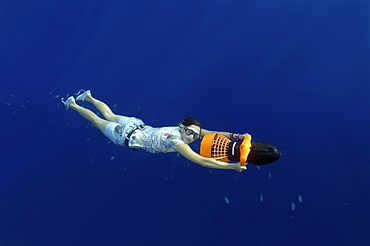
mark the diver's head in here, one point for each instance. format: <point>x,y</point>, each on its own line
<point>190,129</point>
<point>188,121</point>
<point>263,153</point>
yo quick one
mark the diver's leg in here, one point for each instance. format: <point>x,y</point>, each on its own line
<point>90,116</point>
<point>104,109</point>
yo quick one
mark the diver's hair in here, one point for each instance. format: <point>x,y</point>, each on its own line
<point>190,121</point>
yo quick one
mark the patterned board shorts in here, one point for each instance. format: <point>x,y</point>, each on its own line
<point>117,132</point>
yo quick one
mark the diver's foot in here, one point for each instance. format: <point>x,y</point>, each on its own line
<point>67,103</point>
<point>82,94</point>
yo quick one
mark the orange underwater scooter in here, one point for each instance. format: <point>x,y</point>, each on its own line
<point>220,148</point>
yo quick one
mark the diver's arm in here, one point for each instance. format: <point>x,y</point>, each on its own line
<point>205,132</point>
<point>189,154</point>
<point>226,134</point>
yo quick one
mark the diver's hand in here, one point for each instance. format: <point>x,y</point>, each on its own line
<point>239,168</point>
<point>241,137</point>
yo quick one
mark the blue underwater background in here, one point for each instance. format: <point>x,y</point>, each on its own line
<point>292,73</point>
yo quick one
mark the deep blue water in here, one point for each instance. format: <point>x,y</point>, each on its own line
<point>292,73</point>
